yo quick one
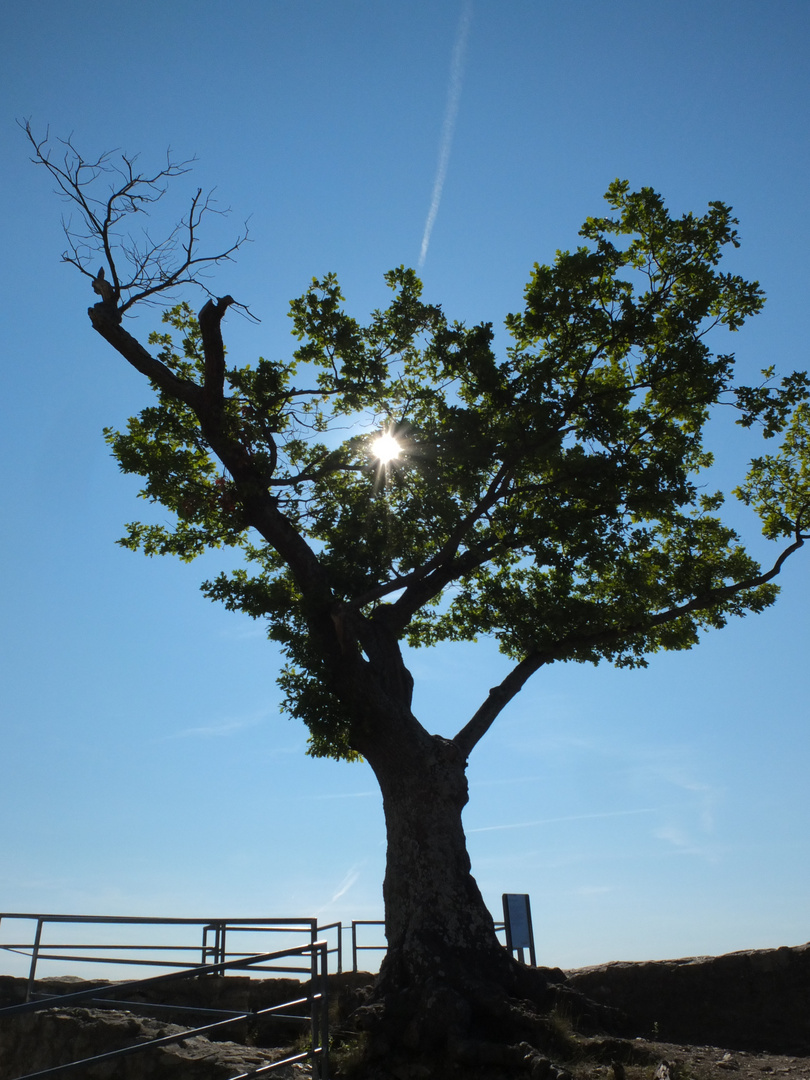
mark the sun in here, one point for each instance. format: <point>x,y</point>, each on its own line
<point>386,448</point>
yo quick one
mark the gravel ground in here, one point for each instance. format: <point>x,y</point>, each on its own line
<point>667,1061</point>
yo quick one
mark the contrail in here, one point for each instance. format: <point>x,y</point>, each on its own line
<point>570,817</point>
<point>450,114</point>
<point>347,882</point>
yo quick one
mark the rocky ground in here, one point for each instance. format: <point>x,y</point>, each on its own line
<point>668,1061</point>
<point>591,1059</point>
<point>755,1003</point>
<point>611,1059</point>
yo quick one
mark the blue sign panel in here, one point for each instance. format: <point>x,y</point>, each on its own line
<point>517,917</point>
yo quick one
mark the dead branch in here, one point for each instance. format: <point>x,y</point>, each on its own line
<point>104,194</point>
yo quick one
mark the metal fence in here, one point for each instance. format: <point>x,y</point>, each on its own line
<point>287,961</point>
<point>214,939</point>
<point>357,946</point>
<point>186,941</point>
<point>191,948</point>
<point>380,946</point>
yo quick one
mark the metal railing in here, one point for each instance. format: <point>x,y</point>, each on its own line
<point>217,935</point>
<point>357,947</point>
<point>216,955</point>
<point>316,999</point>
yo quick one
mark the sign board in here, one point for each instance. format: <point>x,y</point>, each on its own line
<point>517,917</point>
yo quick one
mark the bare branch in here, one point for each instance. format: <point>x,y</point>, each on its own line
<point>105,194</point>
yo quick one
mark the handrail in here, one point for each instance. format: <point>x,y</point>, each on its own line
<point>358,948</point>
<point>499,928</point>
<point>317,1000</point>
<point>213,946</point>
<point>339,948</point>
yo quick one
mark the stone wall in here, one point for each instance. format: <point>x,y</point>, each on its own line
<point>758,1000</point>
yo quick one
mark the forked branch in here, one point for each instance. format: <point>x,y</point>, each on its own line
<point>104,194</point>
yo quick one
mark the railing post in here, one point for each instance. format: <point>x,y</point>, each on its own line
<point>324,983</point>
<point>354,946</point>
<point>34,955</point>
<point>314,1009</point>
<point>214,953</point>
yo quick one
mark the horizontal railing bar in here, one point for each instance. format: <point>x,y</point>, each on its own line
<point>293,929</point>
<point>154,920</point>
<point>285,970</point>
<point>137,1048</point>
<point>122,960</point>
<point>280,926</point>
<point>140,963</point>
<point>317,1052</point>
<point>289,1005</point>
<point>172,976</point>
<point>156,1006</point>
<point>234,1014</point>
<point>123,948</point>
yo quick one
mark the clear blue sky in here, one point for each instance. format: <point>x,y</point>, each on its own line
<point>144,766</point>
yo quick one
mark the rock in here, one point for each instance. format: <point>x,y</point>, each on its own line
<point>37,1041</point>
<point>754,1000</point>
<point>728,1062</point>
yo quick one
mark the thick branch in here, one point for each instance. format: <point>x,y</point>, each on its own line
<point>260,506</point>
<point>497,700</point>
<point>210,319</point>
<point>426,582</point>
<point>108,325</point>
<point>500,696</point>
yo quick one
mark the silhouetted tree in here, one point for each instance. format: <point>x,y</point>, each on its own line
<point>546,498</point>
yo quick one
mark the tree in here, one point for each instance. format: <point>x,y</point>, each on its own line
<point>547,499</point>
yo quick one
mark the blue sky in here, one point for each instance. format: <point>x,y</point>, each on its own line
<point>144,766</point>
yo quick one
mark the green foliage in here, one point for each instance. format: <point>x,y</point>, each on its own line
<point>548,498</point>
<point>165,444</point>
<point>778,485</point>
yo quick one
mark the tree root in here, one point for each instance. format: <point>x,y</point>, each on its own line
<point>477,1030</point>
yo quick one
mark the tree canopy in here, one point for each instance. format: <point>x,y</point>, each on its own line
<point>549,498</point>
<point>401,481</point>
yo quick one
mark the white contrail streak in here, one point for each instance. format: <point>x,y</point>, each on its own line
<point>450,115</point>
<point>346,884</point>
<point>570,817</point>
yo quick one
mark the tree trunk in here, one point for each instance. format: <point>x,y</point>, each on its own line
<point>436,922</point>
<point>447,987</point>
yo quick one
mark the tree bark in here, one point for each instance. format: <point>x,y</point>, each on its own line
<point>447,987</point>
<point>437,924</point>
